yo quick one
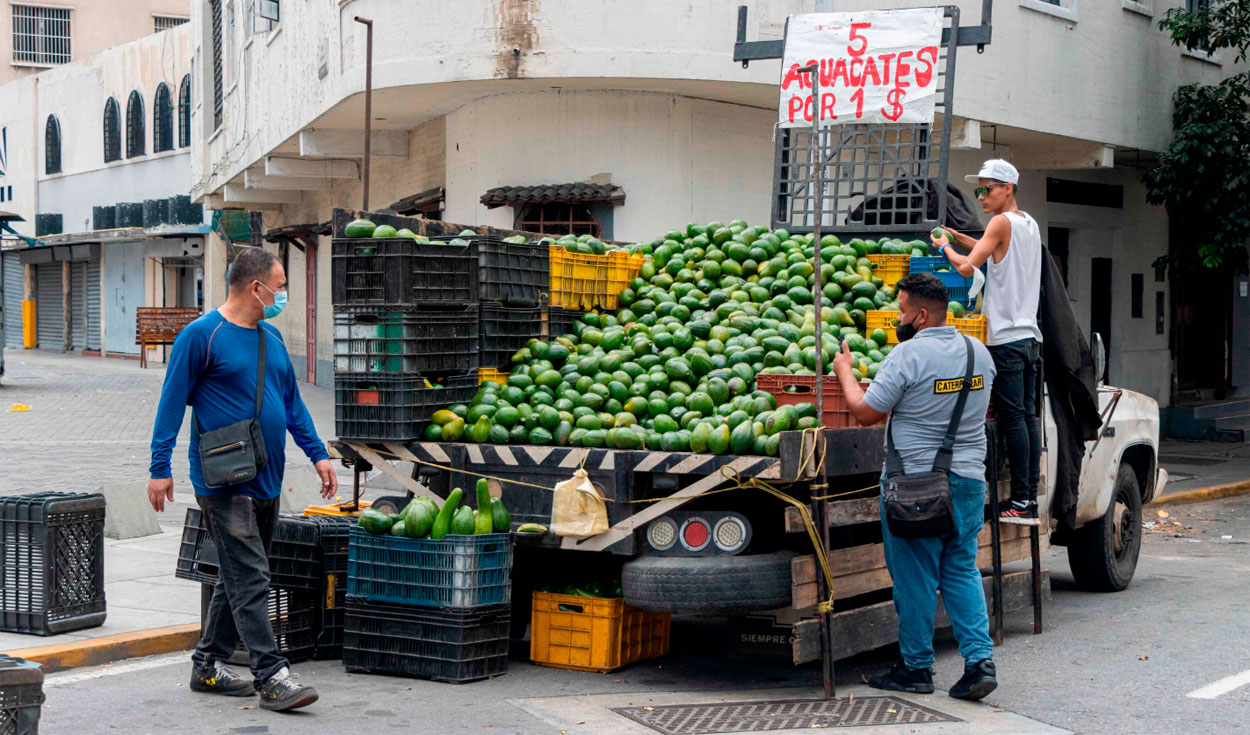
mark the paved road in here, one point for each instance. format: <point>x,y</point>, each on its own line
<point>90,422</point>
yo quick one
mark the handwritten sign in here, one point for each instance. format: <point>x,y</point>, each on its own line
<point>878,66</point>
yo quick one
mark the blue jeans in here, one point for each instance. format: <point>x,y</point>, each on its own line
<point>921,567</point>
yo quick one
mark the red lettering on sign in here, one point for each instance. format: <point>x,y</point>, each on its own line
<point>857,72</point>
<point>885,65</point>
<point>927,56</point>
<point>894,98</point>
<point>858,99</point>
<point>839,71</point>
<point>793,105</point>
<point>826,107</point>
<point>792,77</point>
<point>826,72</point>
<point>857,36</point>
<point>807,78</point>
<point>870,70</point>
<point>901,70</point>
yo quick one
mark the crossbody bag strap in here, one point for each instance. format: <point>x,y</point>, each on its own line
<point>893,462</point>
<point>260,378</point>
<point>942,462</point>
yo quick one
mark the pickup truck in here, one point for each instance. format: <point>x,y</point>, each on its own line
<point>681,550</point>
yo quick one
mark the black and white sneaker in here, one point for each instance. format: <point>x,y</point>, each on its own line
<point>217,679</point>
<point>281,692</point>
<point>1024,514</point>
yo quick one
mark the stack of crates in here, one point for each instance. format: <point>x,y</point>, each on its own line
<point>307,566</point>
<point>405,334</point>
<point>512,297</point>
<point>428,609</point>
<point>51,563</point>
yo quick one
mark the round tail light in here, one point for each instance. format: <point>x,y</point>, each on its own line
<point>662,534</point>
<point>730,534</point>
<point>695,534</point>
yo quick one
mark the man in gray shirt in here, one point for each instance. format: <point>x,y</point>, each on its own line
<point>918,385</point>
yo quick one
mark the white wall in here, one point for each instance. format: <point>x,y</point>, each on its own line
<point>678,159</point>
<point>150,177</point>
<point>17,120</point>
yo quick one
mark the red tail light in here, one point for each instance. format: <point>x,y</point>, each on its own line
<point>695,534</point>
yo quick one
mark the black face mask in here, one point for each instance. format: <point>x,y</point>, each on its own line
<point>905,332</point>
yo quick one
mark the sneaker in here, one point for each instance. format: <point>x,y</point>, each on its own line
<point>1018,510</point>
<point>217,679</point>
<point>902,679</point>
<point>979,679</point>
<point>282,692</point>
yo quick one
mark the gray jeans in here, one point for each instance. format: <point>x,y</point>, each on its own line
<point>242,529</point>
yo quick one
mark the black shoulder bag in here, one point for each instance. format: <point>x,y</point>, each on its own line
<point>235,453</point>
<point>919,506</point>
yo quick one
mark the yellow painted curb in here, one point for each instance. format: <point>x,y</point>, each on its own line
<point>1205,493</point>
<point>110,648</point>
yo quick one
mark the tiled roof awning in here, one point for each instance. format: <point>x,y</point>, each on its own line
<point>502,196</point>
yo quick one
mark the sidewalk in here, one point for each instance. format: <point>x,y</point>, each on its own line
<point>1196,465</point>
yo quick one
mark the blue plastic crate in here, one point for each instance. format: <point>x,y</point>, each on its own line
<point>956,285</point>
<point>456,571</point>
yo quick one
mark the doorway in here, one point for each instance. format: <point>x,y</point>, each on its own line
<point>123,283</point>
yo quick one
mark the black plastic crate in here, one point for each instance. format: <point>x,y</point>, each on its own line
<point>401,271</point>
<point>332,535</point>
<point>510,274</point>
<point>448,645</point>
<point>399,342</point>
<point>51,562</point>
<point>295,557</point>
<point>381,407</point>
<point>294,616</point>
<point>560,321</point>
<point>332,613</point>
<point>504,331</point>
<point>21,696</point>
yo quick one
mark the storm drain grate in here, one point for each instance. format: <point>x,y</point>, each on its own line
<point>792,714</point>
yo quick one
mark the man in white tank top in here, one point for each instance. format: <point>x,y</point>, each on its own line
<point>1012,246</point>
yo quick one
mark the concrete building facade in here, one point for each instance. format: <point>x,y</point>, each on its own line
<point>645,95</point>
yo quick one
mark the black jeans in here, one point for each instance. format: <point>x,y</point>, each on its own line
<point>242,529</point>
<point>1018,365</point>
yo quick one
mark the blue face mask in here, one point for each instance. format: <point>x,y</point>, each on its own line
<point>279,302</point>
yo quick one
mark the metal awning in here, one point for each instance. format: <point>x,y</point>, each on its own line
<point>582,191</point>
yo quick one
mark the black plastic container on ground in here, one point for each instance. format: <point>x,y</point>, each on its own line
<point>395,341</point>
<point>448,645</point>
<point>332,611</point>
<point>504,331</point>
<point>51,562</point>
<point>510,274</point>
<point>401,271</point>
<point>294,616</point>
<point>21,696</point>
<point>383,407</point>
<point>560,321</point>
<point>295,557</point>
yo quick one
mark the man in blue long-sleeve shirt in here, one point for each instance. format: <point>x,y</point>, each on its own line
<point>213,369</point>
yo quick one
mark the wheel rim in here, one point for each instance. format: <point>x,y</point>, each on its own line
<point>1125,531</point>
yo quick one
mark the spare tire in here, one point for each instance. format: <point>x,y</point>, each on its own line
<point>715,584</point>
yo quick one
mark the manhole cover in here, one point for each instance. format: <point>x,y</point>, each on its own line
<point>792,714</point>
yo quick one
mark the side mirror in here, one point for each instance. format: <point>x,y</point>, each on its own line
<point>1100,358</point>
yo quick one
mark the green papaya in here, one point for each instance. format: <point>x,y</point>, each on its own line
<point>500,518</point>
<point>442,523</point>
<point>398,529</point>
<point>462,523</point>
<point>481,430</point>
<point>718,442</point>
<point>418,519</point>
<point>742,439</point>
<point>375,522</point>
<point>483,518</point>
<point>482,523</point>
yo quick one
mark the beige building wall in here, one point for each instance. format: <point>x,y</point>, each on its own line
<point>95,25</point>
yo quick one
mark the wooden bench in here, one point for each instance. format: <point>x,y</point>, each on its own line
<point>159,325</point>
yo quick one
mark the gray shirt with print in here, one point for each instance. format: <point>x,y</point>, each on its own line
<point>918,384</point>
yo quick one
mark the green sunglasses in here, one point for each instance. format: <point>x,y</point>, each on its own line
<point>985,190</point>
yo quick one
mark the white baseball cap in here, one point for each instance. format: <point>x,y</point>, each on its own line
<point>996,169</point>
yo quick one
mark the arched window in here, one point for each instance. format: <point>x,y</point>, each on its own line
<point>162,120</point>
<point>134,126</point>
<point>112,131</point>
<point>52,146</point>
<point>184,112</point>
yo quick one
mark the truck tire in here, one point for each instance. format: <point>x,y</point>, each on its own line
<point>705,585</point>
<point>1103,557</point>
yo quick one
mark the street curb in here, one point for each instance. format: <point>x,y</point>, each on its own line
<point>110,648</point>
<point>1205,493</point>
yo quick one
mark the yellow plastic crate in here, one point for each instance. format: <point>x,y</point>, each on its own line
<point>593,634</point>
<point>485,374</point>
<point>891,268</point>
<point>974,326</point>
<point>335,509</point>
<point>583,282</point>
